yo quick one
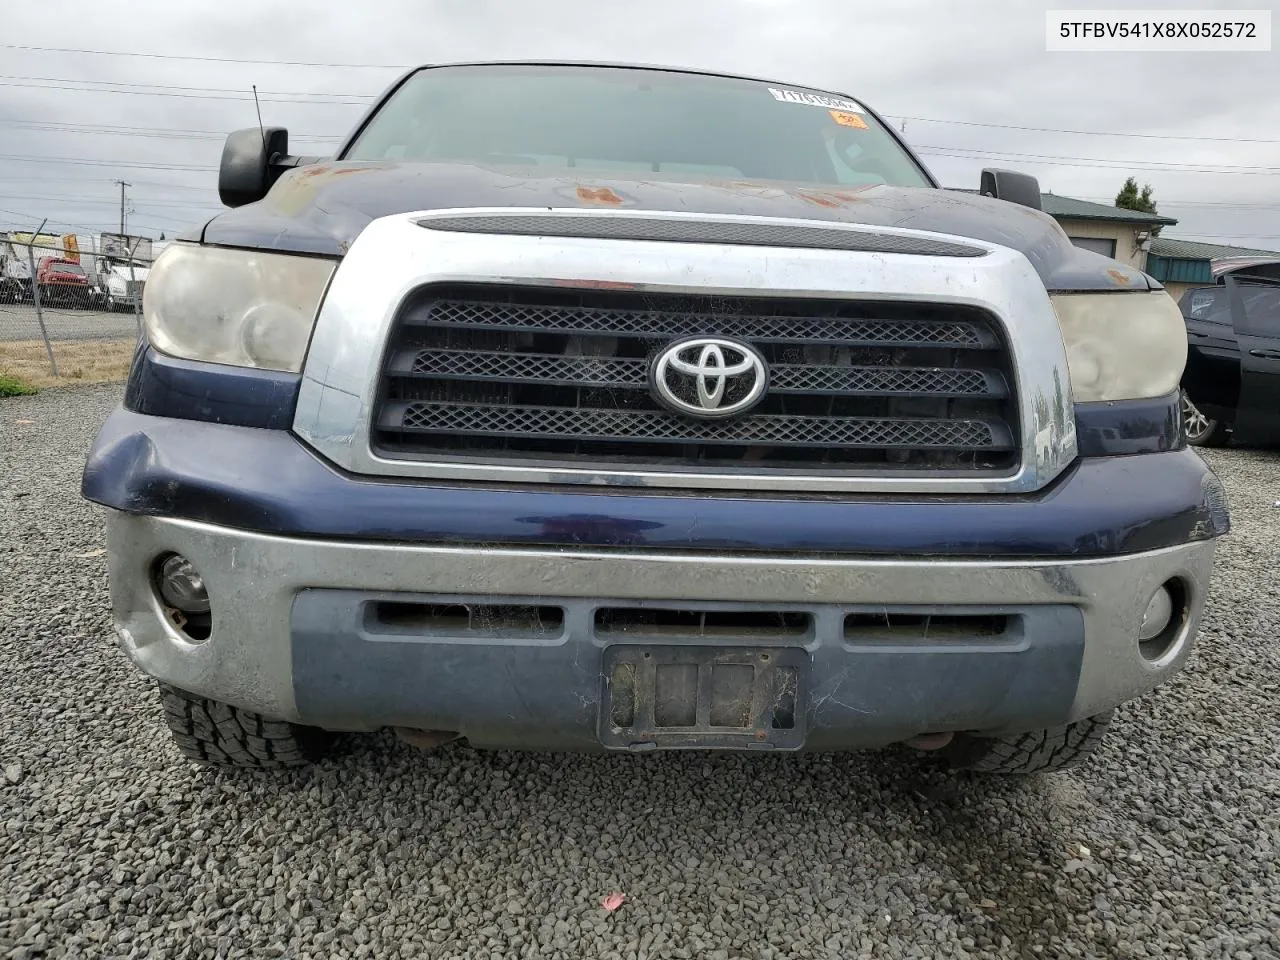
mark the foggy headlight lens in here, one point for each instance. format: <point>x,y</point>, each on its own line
<point>1122,346</point>
<point>240,307</point>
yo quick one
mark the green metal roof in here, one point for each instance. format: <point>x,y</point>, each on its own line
<point>1176,249</point>
<point>1070,208</point>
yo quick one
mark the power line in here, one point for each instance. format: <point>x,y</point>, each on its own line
<point>187,96</point>
<point>59,178</point>
<point>101,227</point>
<point>1194,203</point>
<point>91,201</point>
<point>1081,133</point>
<point>174,56</point>
<point>32,216</point>
<point>109,163</point>
<point>408,66</point>
<point>1107,164</point>
<point>182,221</point>
<point>132,85</point>
<point>1225,167</point>
<point>159,133</point>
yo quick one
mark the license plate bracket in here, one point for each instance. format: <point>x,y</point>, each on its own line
<point>676,696</point>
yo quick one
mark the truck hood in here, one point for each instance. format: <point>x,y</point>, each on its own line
<point>321,209</point>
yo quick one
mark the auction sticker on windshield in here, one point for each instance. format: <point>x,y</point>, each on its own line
<point>815,100</point>
<point>846,119</point>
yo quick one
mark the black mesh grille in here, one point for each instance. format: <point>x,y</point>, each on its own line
<point>649,322</point>
<point>634,374</point>
<point>562,375</point>
<point>566,423</point>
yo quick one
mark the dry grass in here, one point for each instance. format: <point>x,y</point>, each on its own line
<point>79,361</point>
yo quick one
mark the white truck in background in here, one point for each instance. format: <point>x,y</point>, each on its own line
<point>121,264</point>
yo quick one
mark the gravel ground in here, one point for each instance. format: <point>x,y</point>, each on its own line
<point>111,846</point>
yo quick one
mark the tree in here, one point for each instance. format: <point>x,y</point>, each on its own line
<point>1130,198</point>
<point>161,234</point>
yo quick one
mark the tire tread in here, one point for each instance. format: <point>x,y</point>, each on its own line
<point>217,734</point>
<point>1040,751</point>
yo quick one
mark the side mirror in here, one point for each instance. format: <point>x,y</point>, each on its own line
<point>1014,187</point>
<point>249,164</point>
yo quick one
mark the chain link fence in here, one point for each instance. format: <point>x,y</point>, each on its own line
<point>70,304</point>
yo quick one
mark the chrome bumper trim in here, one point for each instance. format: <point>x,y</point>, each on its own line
<point>253,580</point>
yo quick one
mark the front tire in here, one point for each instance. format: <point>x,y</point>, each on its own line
<point>1201,430</point>
<point>1041,751</point>
<point>219,735</point>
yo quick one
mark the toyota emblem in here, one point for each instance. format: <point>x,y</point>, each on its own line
<point>709,377</point>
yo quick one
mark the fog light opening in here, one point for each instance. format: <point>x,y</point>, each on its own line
<point>1161,633</point>
<point>183,596</point>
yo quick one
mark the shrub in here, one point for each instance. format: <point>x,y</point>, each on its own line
<point>13,387</point>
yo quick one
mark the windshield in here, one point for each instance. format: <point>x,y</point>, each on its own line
<point>610,119</point>
<point>66,268</point>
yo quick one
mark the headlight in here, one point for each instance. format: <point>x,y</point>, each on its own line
<point>241,307</point>
<point>1122,346</point>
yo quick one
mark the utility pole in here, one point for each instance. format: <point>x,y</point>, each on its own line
<point>122,186</point>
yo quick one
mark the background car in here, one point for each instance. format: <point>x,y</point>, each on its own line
<point>62,282</point>
<point>1231,385</point>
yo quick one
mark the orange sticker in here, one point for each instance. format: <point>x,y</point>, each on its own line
<point>848,119</point>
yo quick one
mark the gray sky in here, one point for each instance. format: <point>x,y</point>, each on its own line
<point>955,68</point>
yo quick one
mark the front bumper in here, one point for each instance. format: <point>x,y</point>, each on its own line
<point>292,637</point>
<point>267,481</point>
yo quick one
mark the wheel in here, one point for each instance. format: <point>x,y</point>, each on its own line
<point>1202,431</point>
<point>1040,751</point>
<point>216,734</point>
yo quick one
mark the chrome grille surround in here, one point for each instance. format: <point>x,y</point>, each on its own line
<point>395,256</point>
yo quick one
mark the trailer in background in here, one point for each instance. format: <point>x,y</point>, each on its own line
<point>16,260</point>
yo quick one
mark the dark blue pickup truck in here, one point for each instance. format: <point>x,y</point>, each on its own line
<point>588,407</point>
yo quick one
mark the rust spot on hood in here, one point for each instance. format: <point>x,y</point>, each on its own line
<point>1120,278</point>
<point>329,170</point>
<point>841,197</point>
<point>298,187</point>
<point>599,196</point>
